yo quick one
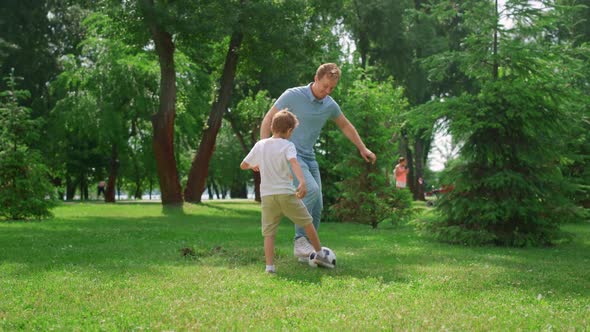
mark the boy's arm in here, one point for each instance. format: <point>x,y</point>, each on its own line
<point>302,188</point>
<point>251,158</point>
<point>244,165</point>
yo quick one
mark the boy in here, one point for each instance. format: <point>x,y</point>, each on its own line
<point>272,157</point>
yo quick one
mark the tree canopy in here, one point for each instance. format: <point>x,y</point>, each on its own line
<point>163,98</point>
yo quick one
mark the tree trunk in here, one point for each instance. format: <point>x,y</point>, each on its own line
<point>200,166</point>
<point>419,150</point>
<point>163,121</point>
<point>238,190</point>
<point>363,36</point>
<point>83,187</point>
<point>137,176</point>
<point>496,66</point>
<point>257,179</point>
<point>109,195</point>
<point>151,187</point>
<point>70,188</point>
<point>210,191</point>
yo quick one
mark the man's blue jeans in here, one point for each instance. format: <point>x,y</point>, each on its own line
<point>313,199</point>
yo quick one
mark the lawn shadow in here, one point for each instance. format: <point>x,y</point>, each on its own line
<point>173,210</point>
<point>137,203</point>
<point>115,243</point>
<point>223,208</point>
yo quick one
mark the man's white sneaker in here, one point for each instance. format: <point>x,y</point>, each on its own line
<point>302,248</point>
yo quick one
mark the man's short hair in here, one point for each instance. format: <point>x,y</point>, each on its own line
<point>328,69</point>
<point>283,121</point>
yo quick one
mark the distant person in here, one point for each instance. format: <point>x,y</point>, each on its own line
<point>313,106</point>
<point>101,189</point>
<point>272,157</point>
<point>401,173</point>
<point>422,183</point>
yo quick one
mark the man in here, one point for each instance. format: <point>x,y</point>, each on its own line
<point>313,106</point>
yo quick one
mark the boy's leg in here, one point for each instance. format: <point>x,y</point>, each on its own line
<point>269,249</point>
<point>312,235</point>
<point>317,257</point>
<point>271,217</point>
<point>295,210</point>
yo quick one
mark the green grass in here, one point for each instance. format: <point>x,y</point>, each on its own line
<point>119,267</point>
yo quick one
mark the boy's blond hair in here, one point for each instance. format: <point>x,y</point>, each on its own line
<point>283,121</point>
<point>328,69</point>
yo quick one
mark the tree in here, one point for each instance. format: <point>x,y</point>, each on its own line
<point>25,189</point>
<point>163,120</point>
<point>200,167</point>
<point>574,27</point>
<point>508,186</point>
<point>267,61</point>
<point>364,195</point>
<point>394,38</point>
<point>105,96</point>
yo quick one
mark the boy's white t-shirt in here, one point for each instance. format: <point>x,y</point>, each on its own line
<point>272,157</point>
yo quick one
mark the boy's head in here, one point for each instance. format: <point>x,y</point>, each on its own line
<point>283,123</point>
<point>401,160</point>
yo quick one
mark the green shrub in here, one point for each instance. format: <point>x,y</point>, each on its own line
<point>508,188</point>
<point>367,199</point>
<point>25,189</point>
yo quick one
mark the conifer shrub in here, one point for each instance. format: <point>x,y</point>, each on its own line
<point>25,189</point>
<point>508,187</point>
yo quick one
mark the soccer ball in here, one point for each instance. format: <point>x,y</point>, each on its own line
<point>328,253</point>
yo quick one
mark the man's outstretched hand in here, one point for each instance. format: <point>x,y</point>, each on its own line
<point>368,156</point>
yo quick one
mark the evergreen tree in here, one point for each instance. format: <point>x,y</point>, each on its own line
<point>508,186</point>
<point>25,190</point>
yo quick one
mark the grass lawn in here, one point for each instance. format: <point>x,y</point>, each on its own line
<point>119,267</point>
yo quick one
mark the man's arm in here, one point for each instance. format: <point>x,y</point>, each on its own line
<point>350,132</point>
<point>265,126</point>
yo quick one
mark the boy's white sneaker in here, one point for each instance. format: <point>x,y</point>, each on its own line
<point>302,249</point>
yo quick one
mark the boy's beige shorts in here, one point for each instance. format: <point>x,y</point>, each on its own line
<point>274,207</point>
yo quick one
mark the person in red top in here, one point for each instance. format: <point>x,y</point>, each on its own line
<point>401,173</point>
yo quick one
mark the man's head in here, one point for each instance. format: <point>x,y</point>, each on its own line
<point>283,123</point>
<point>325,80</point>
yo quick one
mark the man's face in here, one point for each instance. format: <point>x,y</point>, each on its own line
<point>323,87</point>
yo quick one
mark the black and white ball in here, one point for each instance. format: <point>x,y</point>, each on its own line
<point>328,253</point>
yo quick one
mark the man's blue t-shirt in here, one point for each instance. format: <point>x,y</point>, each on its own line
<point>311,113</point>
